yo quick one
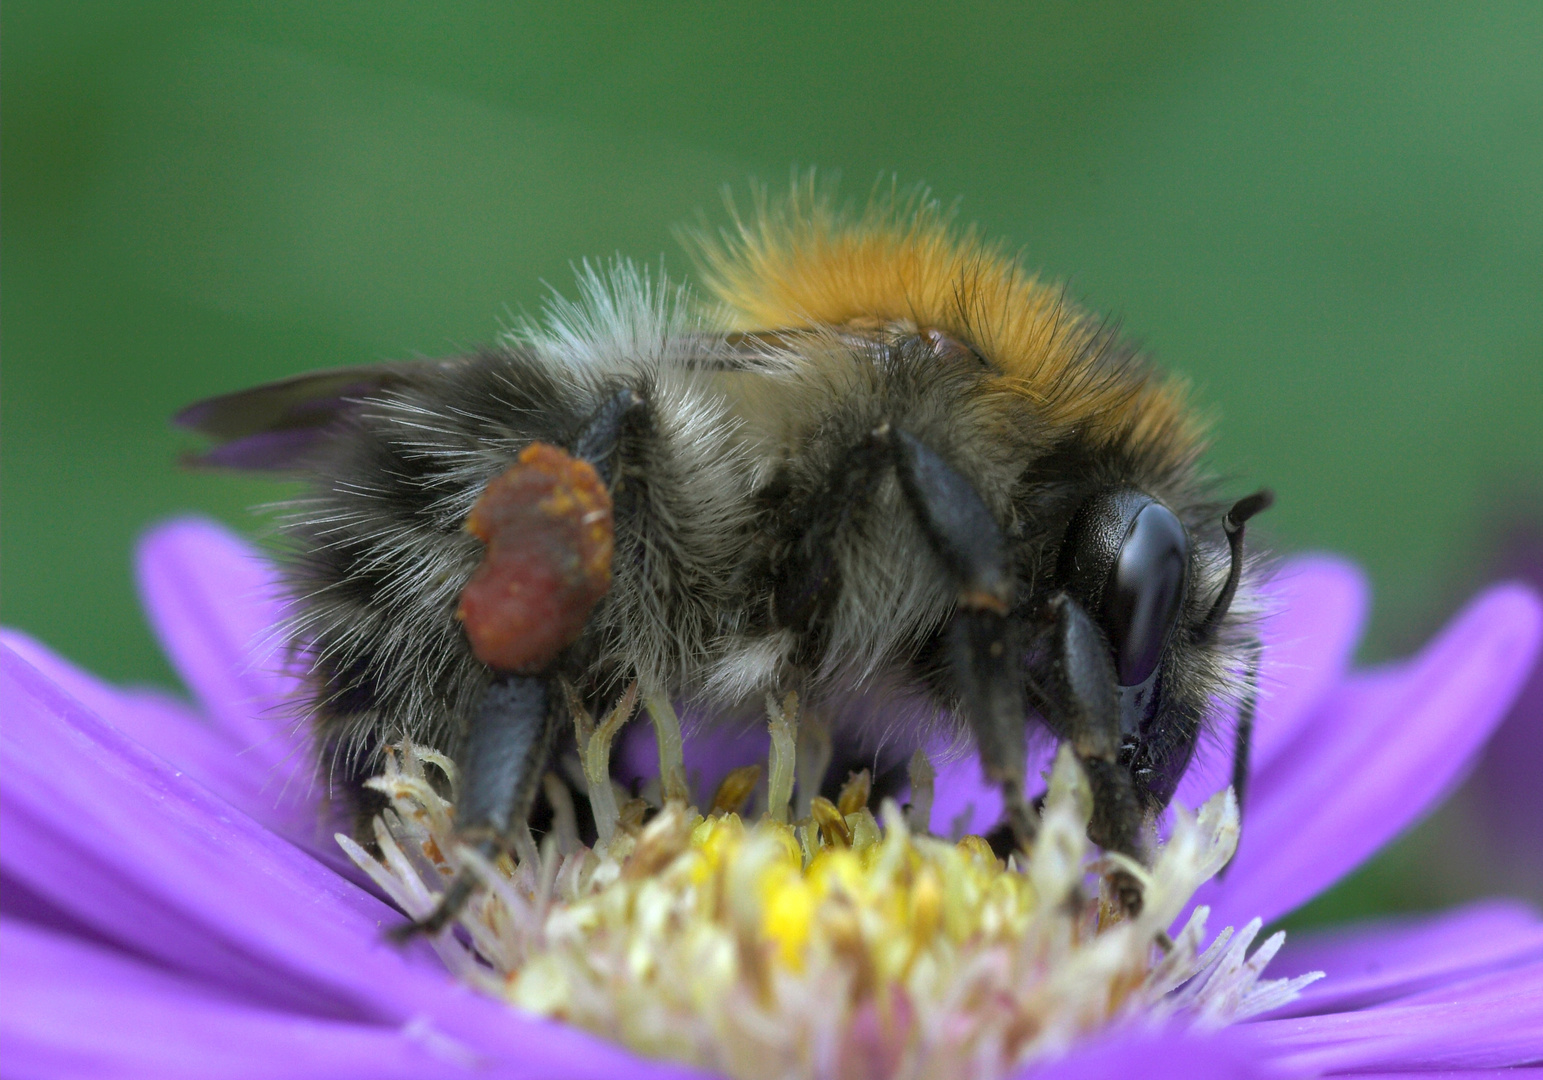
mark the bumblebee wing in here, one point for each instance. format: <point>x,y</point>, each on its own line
<point>275,426</point>
<point>750,350</point>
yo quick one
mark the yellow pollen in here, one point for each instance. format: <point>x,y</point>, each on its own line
<point>766,949</point>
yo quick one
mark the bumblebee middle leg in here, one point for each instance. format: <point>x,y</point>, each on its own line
<point>981,652</point>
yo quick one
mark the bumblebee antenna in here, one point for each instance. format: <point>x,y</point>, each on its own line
<point>1243,740</point>
<point>1232,523</point>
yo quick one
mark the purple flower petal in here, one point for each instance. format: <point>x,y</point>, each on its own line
<point>1448,1074</point>
<point>1375,756</point>
<point>710,751</point>
<point>112,835</point>
<point>1377,962</point>
<point>1486,1022</point>
<point>962,794</point>
<point>117,838</point>
<point>1506,789</point>
<point>1144,1055</point>
<point>1319,605</point>
<point>19,902</point>
<point>178,735</point>
<point>1316,611</point>
<point>91,1012</point>
<point>215,605</point>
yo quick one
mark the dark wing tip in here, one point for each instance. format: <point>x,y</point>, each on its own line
<point>276,425</point>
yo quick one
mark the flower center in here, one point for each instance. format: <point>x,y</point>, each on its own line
<point>848,943</point>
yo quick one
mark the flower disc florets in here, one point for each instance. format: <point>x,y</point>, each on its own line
<point>841,945</point>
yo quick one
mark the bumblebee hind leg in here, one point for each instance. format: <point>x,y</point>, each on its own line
<point>509,739</point>
<point>506,752</point>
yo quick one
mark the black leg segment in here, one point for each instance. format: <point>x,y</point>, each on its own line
<point>1081,703</point>
<point>602,435</point>
<point>982,643</point>
<point>1243,742</point>
<point>957,522</point>
<point>504,756</point>
<point>1078,684</point>
<point>985,669</point>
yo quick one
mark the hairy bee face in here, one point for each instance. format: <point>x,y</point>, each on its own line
<point>887,467</point>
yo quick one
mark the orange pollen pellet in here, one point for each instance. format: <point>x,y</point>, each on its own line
<point>547,524</point>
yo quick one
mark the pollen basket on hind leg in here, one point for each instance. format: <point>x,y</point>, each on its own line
<point>546,522</point>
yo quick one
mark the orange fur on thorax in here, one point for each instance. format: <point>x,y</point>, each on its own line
<point>801,262</point>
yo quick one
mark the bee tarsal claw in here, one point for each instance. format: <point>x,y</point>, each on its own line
<point>450,906</point>
<point>1128,892</point>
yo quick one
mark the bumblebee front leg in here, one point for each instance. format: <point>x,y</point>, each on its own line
<point>1081,703</point>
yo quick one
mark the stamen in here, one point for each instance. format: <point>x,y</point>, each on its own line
<point>854,793</point>
<point>831,946</point>
<point>672,758</point>
<point>564,819</point>
<point>832,823</point>
<point>734,791</point>
<point>922,777</point>
<point>815,750</point>
<point>784,754</point>
<point>595,750</point>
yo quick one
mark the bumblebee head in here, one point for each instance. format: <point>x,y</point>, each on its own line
<point>1130,563</point>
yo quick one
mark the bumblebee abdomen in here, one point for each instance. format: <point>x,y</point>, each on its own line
<point>380,549</point>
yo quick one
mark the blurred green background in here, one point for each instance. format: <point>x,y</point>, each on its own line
<point>1329,216</point>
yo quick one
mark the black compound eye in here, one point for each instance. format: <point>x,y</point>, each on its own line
<point>1125,559</point>
<point>1142,595</point>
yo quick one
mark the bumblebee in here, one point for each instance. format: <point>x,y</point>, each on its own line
<point>886,469</point>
